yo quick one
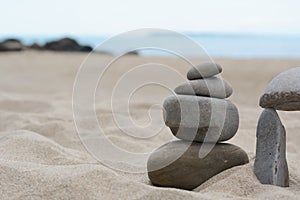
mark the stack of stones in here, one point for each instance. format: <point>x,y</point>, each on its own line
<point>282,93</point>
<point>198,115</point>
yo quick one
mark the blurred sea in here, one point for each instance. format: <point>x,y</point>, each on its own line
<point>217,45</point>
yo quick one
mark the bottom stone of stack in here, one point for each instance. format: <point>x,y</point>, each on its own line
<point>177,163</point>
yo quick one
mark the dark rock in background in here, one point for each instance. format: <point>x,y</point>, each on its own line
<point>66,44</point>
<point>11,45</point>
<point>35,46</point>
<point>133,53</point>
<point>86,49</point>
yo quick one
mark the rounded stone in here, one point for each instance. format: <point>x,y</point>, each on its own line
<point>204,70</point>
<point>188,171</point>
<point>197,118</point>
<point>283,92</point>
<point>210,87</point>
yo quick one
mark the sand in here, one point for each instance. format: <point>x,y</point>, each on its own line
<point>42,157</point>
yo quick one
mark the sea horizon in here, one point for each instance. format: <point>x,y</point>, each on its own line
<point>219,45</point>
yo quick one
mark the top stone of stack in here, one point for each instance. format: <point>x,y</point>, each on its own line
<point>204,70</point>
<point>283,92</point>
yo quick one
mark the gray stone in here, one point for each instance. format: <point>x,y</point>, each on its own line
<point>196,118</point>
<point>210,87</point>
<point>188,171</point>
<point>283,92</point>
<point>204,70</point>
<point>270,166</point>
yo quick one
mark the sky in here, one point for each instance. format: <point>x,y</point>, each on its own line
<point>93,17</point>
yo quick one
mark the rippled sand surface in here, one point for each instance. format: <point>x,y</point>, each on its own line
<point>42,157</point>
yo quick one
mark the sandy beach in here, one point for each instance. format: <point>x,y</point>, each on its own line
<point>42,157</point>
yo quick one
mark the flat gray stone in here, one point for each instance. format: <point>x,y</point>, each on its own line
<point>188,171</point>
<point>197,118</point>
<point>283,92</point>
<point>270,166</point>
<point>204,70</point>
<point>210,87</point>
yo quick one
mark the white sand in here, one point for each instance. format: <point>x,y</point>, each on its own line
<point>41,156</point>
